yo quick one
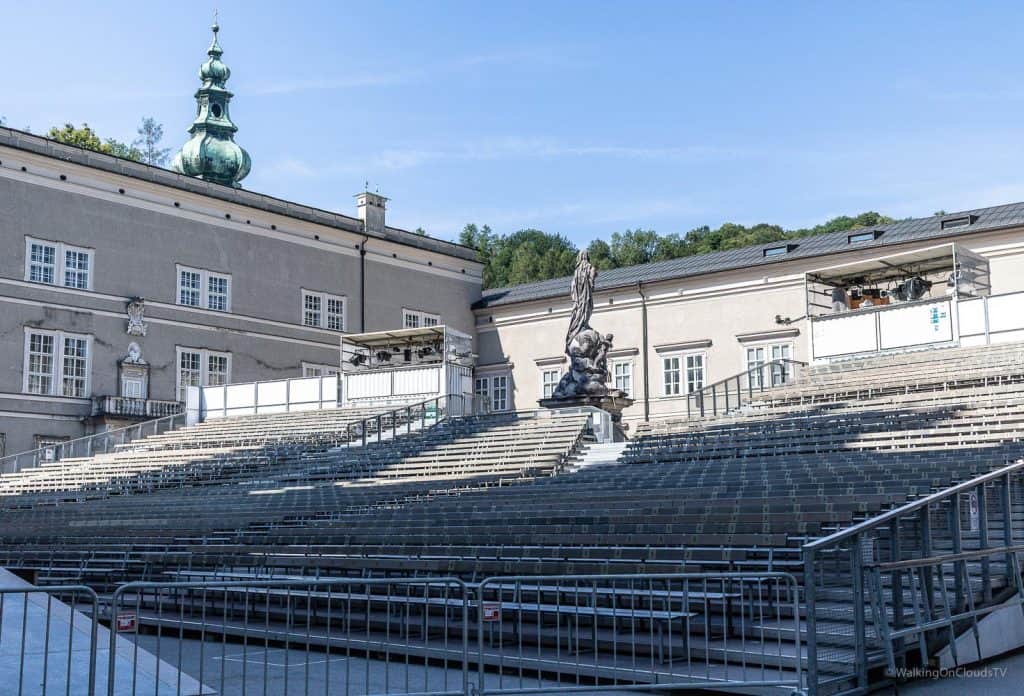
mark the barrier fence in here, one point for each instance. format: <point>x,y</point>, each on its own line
<point>240,634</point>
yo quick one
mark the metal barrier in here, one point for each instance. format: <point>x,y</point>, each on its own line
<point>90,444</point>
<point>673,631</point>
<point>300,636</point>
<point>894,589</point>
<point>733,392</point>
<point>53,658</point>
<point>539,634</point>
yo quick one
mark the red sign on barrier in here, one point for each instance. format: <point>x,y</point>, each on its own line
<point>126,623</point>
<point>491,611</point>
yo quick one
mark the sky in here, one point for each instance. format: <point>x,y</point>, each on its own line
<point>576,117</point>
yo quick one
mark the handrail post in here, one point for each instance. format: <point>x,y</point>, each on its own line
<point>714,400</point>
<point>812,636</point>
<point>983,542</point>
<point>859,623</point>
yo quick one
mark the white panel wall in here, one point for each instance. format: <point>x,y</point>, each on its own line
<point>844,335</point>
<point>425,380</point>
<point>915,325</point>
<point>278,396</point>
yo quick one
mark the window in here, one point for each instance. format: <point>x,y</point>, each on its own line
<point>961,221</point>
<point>56,364</point>
<point>694,372</point>
<point>548,382</point>
<point>198,367</point>
<point>671,373</point>
<point>778,250</point>
<point>759,355</point>
<point>491,393</point>
<point>323,311</point>
<point>55,263</point>
<point>3,444</point>
<point>51,446</point>
<point>622,376</point>
<point>413,319</point>
<point>499,393</point>
<point>859,237</point>
<point>313,370</point>
<point>206,289</point>
<point>683,374</point>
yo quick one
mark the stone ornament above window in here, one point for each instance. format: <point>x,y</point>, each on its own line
<point>136,317</point>
<point>134,356</point>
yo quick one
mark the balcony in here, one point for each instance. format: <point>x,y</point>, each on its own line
<point>125,407</point>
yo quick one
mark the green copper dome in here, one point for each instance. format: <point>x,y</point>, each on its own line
<point>211,153</point>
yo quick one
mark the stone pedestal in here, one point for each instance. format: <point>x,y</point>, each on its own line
<point>613,404</point>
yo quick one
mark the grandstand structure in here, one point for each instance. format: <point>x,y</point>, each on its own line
<point>816,534</point>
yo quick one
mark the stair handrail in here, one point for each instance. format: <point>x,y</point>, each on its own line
<point>912,565</point>
<point>84,446</point>
<point>697,400</point>
<point>442,409</point>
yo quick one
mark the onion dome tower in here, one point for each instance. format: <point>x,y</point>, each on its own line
<point>211,153</point>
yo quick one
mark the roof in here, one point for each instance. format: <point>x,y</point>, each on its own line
<point>35,144</point>
<point>919,229</point>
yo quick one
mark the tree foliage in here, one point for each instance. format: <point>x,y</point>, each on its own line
<point>531,255</point>
<point>87,138</point>
<point>522,257</point>
<point>148,143</point>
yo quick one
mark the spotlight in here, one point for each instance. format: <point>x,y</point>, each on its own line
<point>357,359</point>
<point>424,351</point>
<point>384,356</point>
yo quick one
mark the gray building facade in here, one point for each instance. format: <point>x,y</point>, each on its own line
<point>234,287</point>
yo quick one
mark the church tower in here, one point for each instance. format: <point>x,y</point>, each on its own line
<point>211,153</point>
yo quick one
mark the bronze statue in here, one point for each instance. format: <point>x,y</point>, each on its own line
<point>586,349</point>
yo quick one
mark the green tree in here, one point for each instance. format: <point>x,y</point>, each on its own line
<point>148,143</point>
<point>87,138</point>
<point>530,255</point>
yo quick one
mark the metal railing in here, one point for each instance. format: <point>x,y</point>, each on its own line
<point>48,645</point>
<point>90,445</point>
<point>401,420</point>
<point>733,392</point>
<point>425,636</point>
<point>665,632</point>
<point>895,589</point>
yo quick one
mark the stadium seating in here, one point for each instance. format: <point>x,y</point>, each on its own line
<point>279,496</point>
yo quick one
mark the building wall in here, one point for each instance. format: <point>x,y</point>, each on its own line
<point>719,315</point>
<point>139,237</point>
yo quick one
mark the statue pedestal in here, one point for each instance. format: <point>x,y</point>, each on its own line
<point>609,403</point>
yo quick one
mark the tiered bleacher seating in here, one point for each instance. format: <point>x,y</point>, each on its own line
<point>487,495</point>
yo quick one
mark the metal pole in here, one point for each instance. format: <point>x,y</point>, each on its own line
<point>859,624</point>
<point>812,636</point>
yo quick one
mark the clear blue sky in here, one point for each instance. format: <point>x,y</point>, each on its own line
<point>576,117</point>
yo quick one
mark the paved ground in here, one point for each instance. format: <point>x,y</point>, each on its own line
<point>256,671</point>
<point>1003,676</point>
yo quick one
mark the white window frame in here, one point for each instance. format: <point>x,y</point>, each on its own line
<point>204,368</point>
<point>502,404</point>
<point>612,365</point>
<point>205,296</point>
<point>684,375</point>
<point>319,370</point>
<point>547,383</point>
<point>415,319</point>
<point>56,373</point>
<point>60,267</point>
<point>323,320</point>
<point>771,348</point>
<point>487,392</point>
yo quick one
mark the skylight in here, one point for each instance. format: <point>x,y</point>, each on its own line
<point>778,250</point>
<point>960,221</point>
<point>865,236</point>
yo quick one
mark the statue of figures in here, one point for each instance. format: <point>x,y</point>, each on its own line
<point>582,292</point>
<point>136,317</point>
<point>586,348</point>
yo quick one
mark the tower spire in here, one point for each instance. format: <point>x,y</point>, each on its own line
<point>211,153</point>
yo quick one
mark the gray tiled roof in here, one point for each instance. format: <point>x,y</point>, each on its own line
<point>69,153</point>
<point>919,229</point>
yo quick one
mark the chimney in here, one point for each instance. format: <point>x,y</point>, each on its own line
<point>370,209</point>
